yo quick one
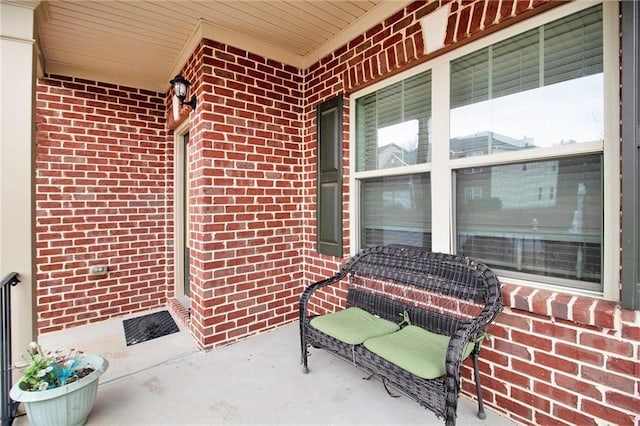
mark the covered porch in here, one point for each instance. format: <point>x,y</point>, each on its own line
<point>259,380</point>
<point>117,200</point>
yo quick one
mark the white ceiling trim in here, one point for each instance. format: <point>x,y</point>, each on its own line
<point>213,32</point>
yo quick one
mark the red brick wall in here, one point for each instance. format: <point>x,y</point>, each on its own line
<point>563,358</point>
<point>246,195</point>
<point>103,184</point>
<point>554,358</point>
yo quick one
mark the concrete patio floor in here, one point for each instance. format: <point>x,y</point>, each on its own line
<point>168,381</point>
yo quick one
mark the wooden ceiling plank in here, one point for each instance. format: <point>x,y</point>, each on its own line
<point>82,31</point>
<point>320,13</point>
<point>132,52</point>
<point>98,37</point>
<point>239,20</point>
<point>267,18</point>
<point>298,30</point>
<point>305,24</point>
<point>85,32</point>
<point>354,8</point>
<point>100,19</point>
<point>129,10</point>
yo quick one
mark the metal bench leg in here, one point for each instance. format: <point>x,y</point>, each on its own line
<point>305,355</point>
<point>304,350</point>
<point>476,372</point>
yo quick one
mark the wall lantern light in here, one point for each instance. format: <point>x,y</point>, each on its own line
<point>180,87</point>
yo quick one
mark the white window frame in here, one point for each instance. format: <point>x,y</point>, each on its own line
<point>442,167</point>
<point>472,193</point>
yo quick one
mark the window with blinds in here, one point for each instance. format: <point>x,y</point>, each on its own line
<point>540,217</point>
<point>393,125</point>
<point>541,88</point>
<point>396,210</point>
<point>521,185</point>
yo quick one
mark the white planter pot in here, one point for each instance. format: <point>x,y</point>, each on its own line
<point>67,405</point>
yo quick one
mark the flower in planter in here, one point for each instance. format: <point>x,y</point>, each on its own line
<point>51,369</point>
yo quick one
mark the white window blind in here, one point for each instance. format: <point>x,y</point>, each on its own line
<point>396,210</point>
<point>562,50</point>
<point>470,78</point>
<point>573,46</point>
<point>392,127</point>
<point>513,227</point>
<point>515,64</point>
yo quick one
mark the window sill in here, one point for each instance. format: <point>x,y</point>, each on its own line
<point>580,309</point>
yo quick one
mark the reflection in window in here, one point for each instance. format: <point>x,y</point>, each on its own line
<point>513,227</point>
<point>393,125</point>
<point>398,145</point>
<point>564,113</point>
<point>472,193</point>
<point>396,210</point>
<point>539,89</point>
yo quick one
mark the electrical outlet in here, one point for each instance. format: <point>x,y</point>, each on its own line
<point>98,270</point>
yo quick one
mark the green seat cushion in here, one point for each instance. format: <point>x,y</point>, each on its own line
<point>353,325</point>
<point>414,349</point>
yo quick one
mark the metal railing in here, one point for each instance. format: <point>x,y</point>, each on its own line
<point>8,406</point>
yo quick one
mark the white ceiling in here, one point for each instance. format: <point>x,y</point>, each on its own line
<point>145,43</point>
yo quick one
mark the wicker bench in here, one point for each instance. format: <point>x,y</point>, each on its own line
<point>411,318</point>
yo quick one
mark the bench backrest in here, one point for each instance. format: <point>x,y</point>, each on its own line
<point>434,290</point>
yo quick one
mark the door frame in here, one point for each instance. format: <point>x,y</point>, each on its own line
<point>179,198</point>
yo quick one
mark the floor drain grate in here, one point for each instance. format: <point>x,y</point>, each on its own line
<point>148,327</point>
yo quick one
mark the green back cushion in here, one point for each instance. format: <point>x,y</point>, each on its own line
<point>414,349</point>
<point>353,325</point>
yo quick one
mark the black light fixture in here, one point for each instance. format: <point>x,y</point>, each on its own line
<point>180,87</point>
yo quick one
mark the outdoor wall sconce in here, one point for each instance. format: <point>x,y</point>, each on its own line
<point>180,87</point>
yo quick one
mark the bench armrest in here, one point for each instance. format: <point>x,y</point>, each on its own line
<point>468,332</point>
<point>304,301</point>
<point>306,294</point>
<point>346,268</point>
